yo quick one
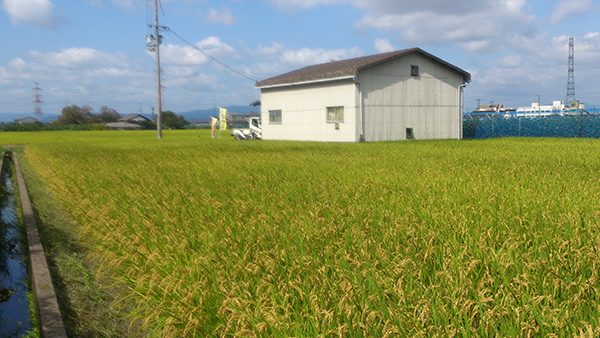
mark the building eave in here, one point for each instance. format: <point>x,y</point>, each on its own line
<point>348,77</point>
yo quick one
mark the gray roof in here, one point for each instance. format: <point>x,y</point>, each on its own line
<point>133,116</point>
<point>347,68</point>
<point>26,120</point>
<point>123,125</point>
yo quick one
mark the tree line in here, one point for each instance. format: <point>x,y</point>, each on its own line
<point>76,115</point>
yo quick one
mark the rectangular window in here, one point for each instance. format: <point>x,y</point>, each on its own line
<point>414,70</point>
<point>409,134</point>
<point>274,116</point>
<point>335,114</point>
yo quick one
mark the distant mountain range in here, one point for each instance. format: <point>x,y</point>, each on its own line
<point>192,116</point>
<point>11,117</point>
<point>206,114</point>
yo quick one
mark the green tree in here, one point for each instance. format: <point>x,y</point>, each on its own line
<point>107,115</point>
<point>76,115</point>
<point>170,120</point>
<point>148,125</point>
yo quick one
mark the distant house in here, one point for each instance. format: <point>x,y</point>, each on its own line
<point>235,119</point>
<point>123,125</point>
<point>406,94</point>
<point>128,122</point>
<point>134,118</point>
<point>26,121</point>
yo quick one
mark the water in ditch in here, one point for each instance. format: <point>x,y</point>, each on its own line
<point>14,306</point>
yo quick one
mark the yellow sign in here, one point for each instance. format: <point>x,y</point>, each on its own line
<point>223,120</point>
<point>213,124</point>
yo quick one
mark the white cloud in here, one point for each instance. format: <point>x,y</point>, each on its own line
<point>222,16</point>
<point>215,47</point>
<point>567,8</point>
<point>36,12</point>
<point>95,3</point>
<point>383,45</point>
<point>308,56</point>
<point>125,4</point>
<point>480,46</point>
<point>591,35</point>
<point>275,59</point>
<point>18,65</point>
<point>181,55</point>
<point>292,5</point>
<point>511,61</point>
<point>475,24</point>
<point>74,58</point>
<point>79,75</point>
<point>274,48</point>
<point>188,55</point>
<point>380,7</point>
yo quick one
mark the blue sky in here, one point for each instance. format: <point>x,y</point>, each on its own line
<point>93,52</point>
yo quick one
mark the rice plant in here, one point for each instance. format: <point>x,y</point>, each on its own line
<point>221,238</point>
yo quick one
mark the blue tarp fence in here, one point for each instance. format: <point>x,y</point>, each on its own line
<point>583,125</point>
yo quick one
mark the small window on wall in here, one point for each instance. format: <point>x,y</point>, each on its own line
<point>335,114</point>
<point>409,134</point>
<point>274,116</point>
<point>414,70</point>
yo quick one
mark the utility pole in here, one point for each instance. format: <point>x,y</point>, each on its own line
<point>157,41</point>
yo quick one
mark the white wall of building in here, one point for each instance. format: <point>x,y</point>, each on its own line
<point>394,100</point>
<point>304,112</point>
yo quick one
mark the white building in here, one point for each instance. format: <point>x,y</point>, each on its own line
<point>26,121</point>
<point>391,96</point>
<point>536,107</point>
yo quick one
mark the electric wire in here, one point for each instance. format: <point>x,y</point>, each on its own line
<point>211,57</point>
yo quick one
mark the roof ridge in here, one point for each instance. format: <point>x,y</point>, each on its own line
<point>341,69</point>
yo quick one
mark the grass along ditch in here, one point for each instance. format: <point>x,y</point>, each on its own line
<point>86,300</point>
<point>15,314</point>
<point>220,238</point>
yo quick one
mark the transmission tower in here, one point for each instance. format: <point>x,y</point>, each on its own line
<point>37,99</point>
<point>571,77</point>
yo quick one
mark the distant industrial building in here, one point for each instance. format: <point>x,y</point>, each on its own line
<point>556,108</point>
<point>494,108</point>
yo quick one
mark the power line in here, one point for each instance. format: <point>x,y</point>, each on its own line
<point>213,58</point>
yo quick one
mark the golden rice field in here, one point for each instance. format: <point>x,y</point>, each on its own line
<point>224,238</point>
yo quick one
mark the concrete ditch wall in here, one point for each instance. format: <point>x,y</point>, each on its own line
<point>50,320</point>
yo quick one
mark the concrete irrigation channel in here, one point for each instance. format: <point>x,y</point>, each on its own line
<point>48,314</point>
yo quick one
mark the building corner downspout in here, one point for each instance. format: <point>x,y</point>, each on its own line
<point>361,112</point>
<point>460,108</point>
